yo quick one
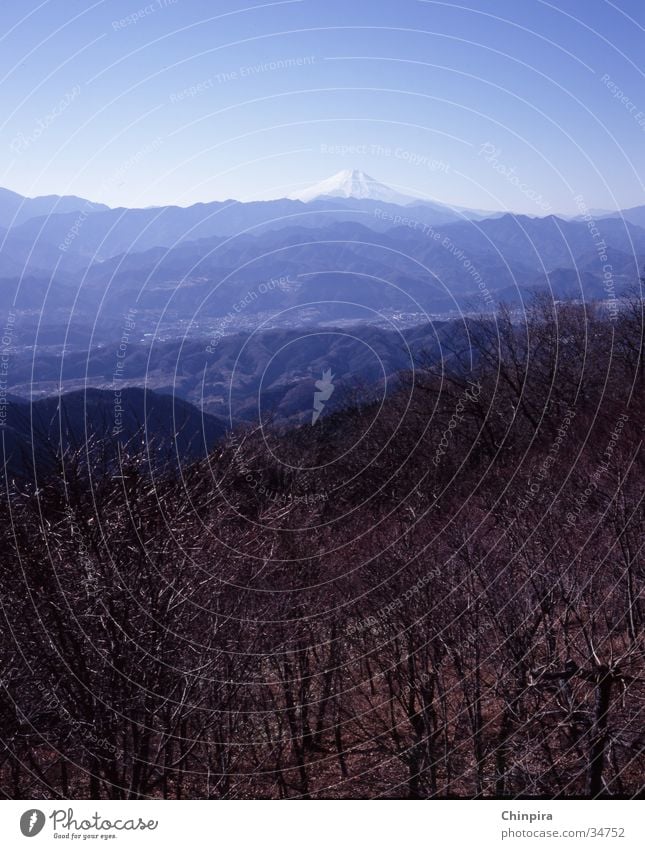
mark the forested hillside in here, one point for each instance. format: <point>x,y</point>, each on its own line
<point>438,594</point>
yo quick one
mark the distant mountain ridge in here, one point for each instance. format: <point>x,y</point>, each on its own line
<point>326,260</point>
<point>348,270</point>
<point>16,209</point>
<point>107,233</point>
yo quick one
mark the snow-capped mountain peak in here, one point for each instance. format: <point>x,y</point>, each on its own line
<point>352,184</point>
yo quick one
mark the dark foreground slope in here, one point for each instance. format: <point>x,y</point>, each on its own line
<point>96,425</point>
<point>440,595</point>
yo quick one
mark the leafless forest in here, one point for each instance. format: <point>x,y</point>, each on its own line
<point>436,596</point>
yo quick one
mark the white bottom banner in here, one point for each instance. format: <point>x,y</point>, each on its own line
<point>323,824</point>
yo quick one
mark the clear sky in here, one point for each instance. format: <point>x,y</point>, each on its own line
<point>490,104</point>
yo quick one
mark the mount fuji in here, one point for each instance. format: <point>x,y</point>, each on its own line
<point>353,184</point>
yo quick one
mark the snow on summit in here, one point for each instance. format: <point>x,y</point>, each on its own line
<point>352,184</point>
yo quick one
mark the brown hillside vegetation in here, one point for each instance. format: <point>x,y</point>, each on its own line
<point>438,596</point>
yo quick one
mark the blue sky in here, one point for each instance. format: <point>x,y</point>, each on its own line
<point>487,103</point>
